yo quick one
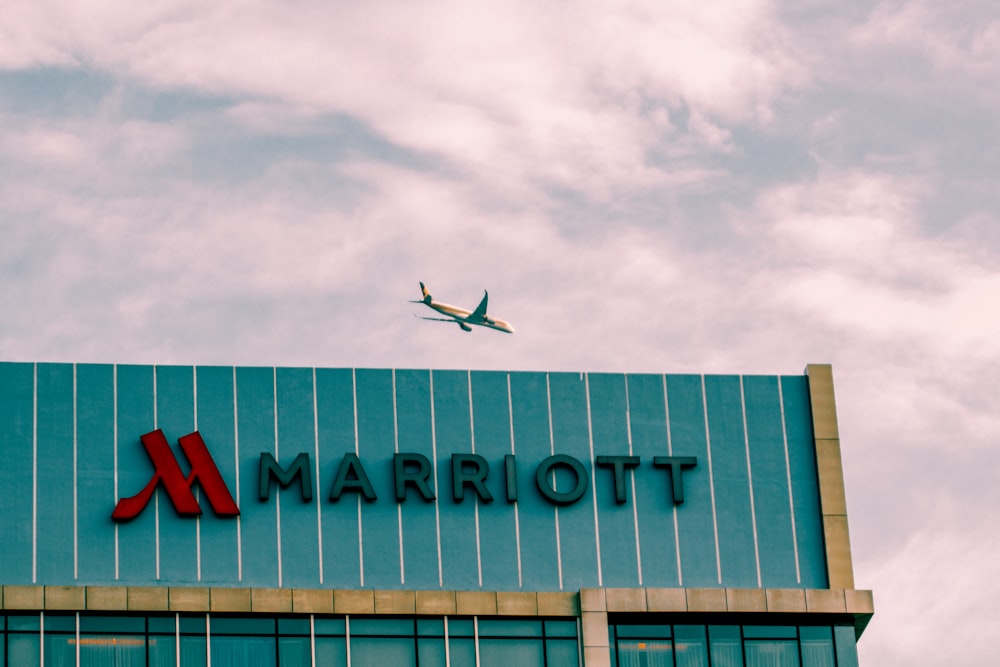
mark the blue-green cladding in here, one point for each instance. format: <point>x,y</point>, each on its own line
<point>70,448</point>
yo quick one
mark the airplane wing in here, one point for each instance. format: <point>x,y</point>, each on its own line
<point>480,312</point>
<point>463,325</point>
<point>437,319</point>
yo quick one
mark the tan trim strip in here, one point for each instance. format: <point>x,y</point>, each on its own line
<point>435,603</point>
<point>727,600</point>
<point>288,600</point>
<point>830,472</point>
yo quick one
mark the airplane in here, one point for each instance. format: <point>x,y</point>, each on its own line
<point>461,316</point>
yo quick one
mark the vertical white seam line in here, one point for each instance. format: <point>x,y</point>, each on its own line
<point>552,451</point>
<point>208,639</point>
<point>670,452</point>
<point>753,508</point>
<point>447,651</point>
<point>41,638</point>
<point>236,443</point>
<point>475,634</point>
<point>437,509</point>
<point>312,633</point>
<point>635,500</point>
<point>788,478</point>
<point>156,493</point>
<point>593,481</point>
<point>472,438</point>
<point>347,637</point>
<point>319,495</point>
<point>711,479</point>
<point>76,511</point>
<point>177,638</point>
<point>399,506</point>
<point>114,440</point>
<point>277,457</point>
<point>34,474</point>
<point>76,650</point>
<point>197,519</point>
<point>361,541</point>
<point>517,516</point>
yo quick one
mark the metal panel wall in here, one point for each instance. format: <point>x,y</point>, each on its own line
<point>69,440</point>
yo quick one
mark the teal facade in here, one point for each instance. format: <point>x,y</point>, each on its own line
<point>750,518</point>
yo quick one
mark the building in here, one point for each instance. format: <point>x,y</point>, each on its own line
<point>217,516</point>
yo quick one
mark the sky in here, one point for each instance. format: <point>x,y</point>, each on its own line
<point>726,187</point>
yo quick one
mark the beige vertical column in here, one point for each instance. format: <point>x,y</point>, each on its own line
<point>830,471</point>
<point>594,619</point>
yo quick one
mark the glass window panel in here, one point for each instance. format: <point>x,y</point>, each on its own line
<point>163,651</point>
<point>112,624</point>
<point>381,651</point>
<point>331,652</point>
<point>194,651</point>
<point>690,646</point>
<point>817,646</point>
<point>60,623</point>
<point>644,631</point>
<point>816,632</point>
<point>293,626</point>
<point>772,653</point>
<point>26,622</point>
<point>847,649</point>
<point>60,650</point>
<point>3,624</point>
<point>561,652</point>
<point>161,624</point>
<point>725,646</point>
<point>430,653</point>
<point>560,628</point>
<point>645,653</point>
<point>110,651</point>
<point>329,626</point>
<point>294,652</point>
<point>194,624</point>
<point>817,654</point>
<point>509,628</point>
<point>382,626</point>
<point>507,652</point>
<point>769,631</point>
<point>242,651</point>
<point>242,626</point>
<point>462,651</point>
<point>430,627</point>
<point>23,649</point>
<point>460,627</point>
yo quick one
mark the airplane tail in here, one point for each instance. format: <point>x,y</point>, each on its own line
<point>427,294</point>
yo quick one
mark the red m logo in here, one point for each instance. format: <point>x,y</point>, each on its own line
<point>178,487</point>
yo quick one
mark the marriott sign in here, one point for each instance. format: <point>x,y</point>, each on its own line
<point>411,473</point>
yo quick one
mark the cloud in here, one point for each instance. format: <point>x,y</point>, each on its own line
<point>945,35</point>
<point>107,151</point>
<point>505,93</point>
<point>936,581</point>
<point>852,244</point>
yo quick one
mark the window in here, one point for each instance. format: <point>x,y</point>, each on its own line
<point>675,645</point>
<point>257,640</point>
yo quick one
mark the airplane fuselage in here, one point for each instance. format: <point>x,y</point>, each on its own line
<point>463,316</point>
